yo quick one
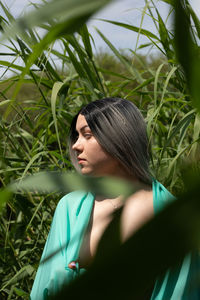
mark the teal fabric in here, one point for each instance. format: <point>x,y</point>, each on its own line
<point>67,230</point>
<point>173,284</point>
<point>69,224</point>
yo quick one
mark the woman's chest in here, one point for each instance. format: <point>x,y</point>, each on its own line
<point>99,220</point>
<point>137,210</point>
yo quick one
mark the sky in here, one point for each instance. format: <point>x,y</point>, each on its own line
<point>126,11</point>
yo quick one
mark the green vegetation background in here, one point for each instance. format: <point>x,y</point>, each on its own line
<point>39,101</point>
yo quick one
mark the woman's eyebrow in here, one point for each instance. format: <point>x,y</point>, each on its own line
<point>82,128</point>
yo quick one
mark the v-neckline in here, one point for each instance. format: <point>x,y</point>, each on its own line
<point>83,215</point>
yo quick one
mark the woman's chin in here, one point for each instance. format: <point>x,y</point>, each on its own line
<point>86,171</point>
<point>89,172</point>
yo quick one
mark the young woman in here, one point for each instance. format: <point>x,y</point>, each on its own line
<point>107,138</point>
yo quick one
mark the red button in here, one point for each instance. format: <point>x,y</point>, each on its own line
<point>72,265</point>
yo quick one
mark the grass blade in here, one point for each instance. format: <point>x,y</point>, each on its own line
<point>187,52</point>
<point>132,71</point>
<point>56,88</point>
<point>145,32</point>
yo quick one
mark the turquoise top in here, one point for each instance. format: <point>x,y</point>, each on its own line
<point>69,224</point>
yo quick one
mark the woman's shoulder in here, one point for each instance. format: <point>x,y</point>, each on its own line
<point>75,202</point>
<point>72,198</point>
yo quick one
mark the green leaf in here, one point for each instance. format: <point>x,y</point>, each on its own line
<point>187,51</point>
<point>86,40</point>
<point>20,292</point>
<point>164,36</point>
<point>195,19</point>
<point>71,16</point>
<point>83,65</point>
<point>77,65</point>
<point>56,88</point>
<point>33,159</point>
<point>171,2</point>
<point>144,45</point>
<point>131,69</point>
<point>7,13</point>
<point>65,182</point>
<point>133,28</point>
<point>196,135</point>
<point>64,10</point>
<point>187,118</point>
<point>145,83</point>
<point>5,102</point>
<point>11,65</point>
<point>5,195</point>
<point>22,273</point>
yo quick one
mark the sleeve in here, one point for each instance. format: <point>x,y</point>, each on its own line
<point>53,271</point>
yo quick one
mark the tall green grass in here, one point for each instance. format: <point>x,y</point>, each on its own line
<point>34,128</point>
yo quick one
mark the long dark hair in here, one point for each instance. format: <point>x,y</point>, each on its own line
<point>120,129</point>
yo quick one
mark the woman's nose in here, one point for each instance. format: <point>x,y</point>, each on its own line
<point>77,145</point>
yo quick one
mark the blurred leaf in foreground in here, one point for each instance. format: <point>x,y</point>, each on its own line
<point>62,10</point>
<point>65,182</point>
<point>188,52</point>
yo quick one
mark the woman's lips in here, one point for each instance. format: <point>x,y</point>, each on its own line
<point>81,160</point>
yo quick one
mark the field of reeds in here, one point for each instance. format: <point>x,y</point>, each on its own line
<point>49,86</point>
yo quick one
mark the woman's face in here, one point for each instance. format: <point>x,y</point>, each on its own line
<point>91,157</point>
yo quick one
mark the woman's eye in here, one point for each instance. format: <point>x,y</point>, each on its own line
<point>87,135</point>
